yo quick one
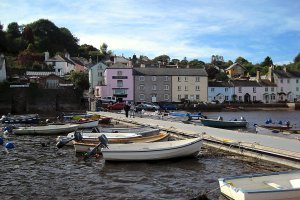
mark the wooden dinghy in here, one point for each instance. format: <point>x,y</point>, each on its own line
<point>86,144</point>
<point>275,186</point>
<point>152,151</point>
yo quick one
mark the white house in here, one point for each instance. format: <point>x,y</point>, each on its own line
<point>2,68</point>
<point>220,91</point>
<point>247,91</point>
<point>96,74</point>
<point>61,64</point>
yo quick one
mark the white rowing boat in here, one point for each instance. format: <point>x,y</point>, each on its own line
<point>152,151</point>
<point>52,129</point>
<point>272,186</point>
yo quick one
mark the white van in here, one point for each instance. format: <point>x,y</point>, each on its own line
<point>108,99</point>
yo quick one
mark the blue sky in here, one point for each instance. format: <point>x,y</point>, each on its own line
<point>195,29</point>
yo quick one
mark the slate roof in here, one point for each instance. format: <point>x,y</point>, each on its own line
<point>288,74</point>
<point>169,72</point>
<point>267,83</point>
<point>245,83</point>
<point>118,65</point>
<point>219,84</point>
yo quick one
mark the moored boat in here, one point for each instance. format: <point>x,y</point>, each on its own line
<point>220,123</point>
<point>52,129</point>
<point>152,151</point>
<point>87,124</point>
<point>20,119</point>
<point>86,144</point>
<point>275,186</point>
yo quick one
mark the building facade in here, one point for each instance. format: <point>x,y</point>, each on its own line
<point>96,75</point>
<point>220,91</point>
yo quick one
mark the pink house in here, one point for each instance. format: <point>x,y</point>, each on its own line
<point>118,82</point>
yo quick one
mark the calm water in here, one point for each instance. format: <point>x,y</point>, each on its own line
<point>31,171</point>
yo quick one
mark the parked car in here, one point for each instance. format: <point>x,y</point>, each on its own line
<point>116,106</point>
<point>168,106</point>
<point>147,106</point>
<point>108,99</point>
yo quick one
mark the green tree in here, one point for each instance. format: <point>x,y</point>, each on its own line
<point>80,80</point>
<point>162,58</point>
<point>297,58</point>
<point>241,60</point>
<point>13,30</point>
<point>221,76</point>
<point>196,64</point>
<point>267,62</point>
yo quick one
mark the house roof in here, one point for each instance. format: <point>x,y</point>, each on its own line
<point>119,65</point>
<point>266,82</point>
<point>40,74</point>
<point>98,64</point>
<point>169,72</point>
<point>245,83</point>
<point>219,84</point>
<point>235,65</point>
<point>287,74</point>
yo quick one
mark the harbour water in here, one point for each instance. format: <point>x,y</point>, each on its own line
<point>36,169</point>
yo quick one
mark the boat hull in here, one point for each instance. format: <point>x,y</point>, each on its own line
<point>223,124</point>
<point>86,144</point>
<point>152,151</point>
<point>88,124</point>
<point>262,187</point>
<point>45,130</point>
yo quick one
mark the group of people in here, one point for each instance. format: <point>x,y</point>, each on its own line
<point>129,109</point>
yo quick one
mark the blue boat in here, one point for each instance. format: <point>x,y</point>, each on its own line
<point>189,115</point>
<point>220,123</point>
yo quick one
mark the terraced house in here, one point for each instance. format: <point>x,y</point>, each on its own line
<point>169,84</point>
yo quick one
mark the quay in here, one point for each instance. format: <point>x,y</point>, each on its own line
<point>280,150</point>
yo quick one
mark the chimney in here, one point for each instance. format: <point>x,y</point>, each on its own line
<point>46,55</point>
<point>258,76</point>
<point>284,69</point>
<point>270,73</point>
<point>67,55</point>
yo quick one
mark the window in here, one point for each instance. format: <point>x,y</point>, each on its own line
<point>240,98</point>
<point>197,88</point>
<point>297,80</point>
<point>153,87</point>
<point>240,89</point>
<point>153,78</point>
<point>226,89</point>
<point>212,89</point>
<point>141,78</point>
<point>288,81</point>
<point>166,78</point>
<point>192,97</point>
<point>266,89</point>
<point>272,89</point>
<point>99,67</point>
<point>142,97</point>
<point>281,89</point>
<point>185,88</point>
<point>119,83</point>
<point>166,87</point>
<point>297,89</point>
<point>197,96</point>
<point>197,78</point>
<point>179,97</point>
<point>179,79</point>
<point>273,97</point>
<point>186,79</point>
<point>186,96</point>
<point>119,73</point>
<point>179,88</point>
<point>166,96</point>
<point>254,90</point>
<point>226,98</point>
<point>142,87</point>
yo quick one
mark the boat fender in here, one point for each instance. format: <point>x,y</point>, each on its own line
<point>1,141</point>
<point>9,145</point>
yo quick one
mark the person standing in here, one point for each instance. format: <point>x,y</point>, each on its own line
<point>126,108</point>
<point>132,110</point>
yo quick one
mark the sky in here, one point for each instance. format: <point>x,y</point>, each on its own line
<point>195,29</point>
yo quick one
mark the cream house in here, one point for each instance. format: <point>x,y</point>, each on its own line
<point>189,84</point>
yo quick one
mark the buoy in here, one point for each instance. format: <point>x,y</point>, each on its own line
<point>1,141</point>
<point>9,145</point>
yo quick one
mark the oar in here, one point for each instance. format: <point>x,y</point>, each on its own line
<point>62,143</point>
<point>103,143</point>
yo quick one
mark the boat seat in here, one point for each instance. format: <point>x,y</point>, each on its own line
<point>274,185</point>
<point>295,183</point>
